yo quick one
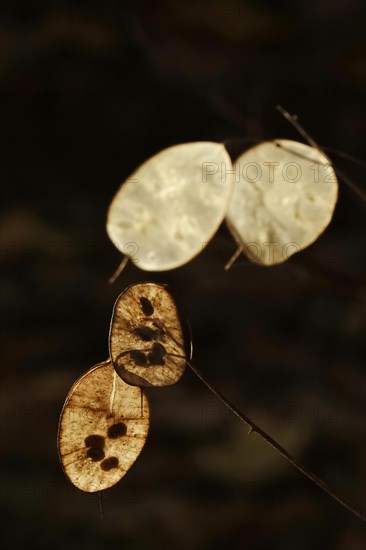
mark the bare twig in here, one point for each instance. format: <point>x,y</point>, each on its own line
<point>253,427</point>
<point>294,121</point>
<point>351,184</point>
<point>344,155</point>
<point>233,258</point>
<point>119,270</point>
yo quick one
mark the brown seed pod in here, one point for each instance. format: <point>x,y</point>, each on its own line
<point>102,430</point>
<point>146,340</point>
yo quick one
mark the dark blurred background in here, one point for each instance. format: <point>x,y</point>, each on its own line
<point>89,90</point>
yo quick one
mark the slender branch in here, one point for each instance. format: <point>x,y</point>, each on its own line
<point>233,115</point>
<point>253,427</point>
<point>344,155</point>
<point>119,270</point>
<point>361,194</point>
<point>233,258</point>
<point>294,121</point>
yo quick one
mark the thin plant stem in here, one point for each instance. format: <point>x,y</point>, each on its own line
<point>253,427</point>
<point>351,184</point>
<point>119,270</point>
<point>294,121</point>
<point>233,258</point>
<point>344,155</point>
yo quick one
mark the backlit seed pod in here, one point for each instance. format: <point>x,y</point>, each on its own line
<point>172,205</point>
<point>284,197</point>
<point>102,430</point>
<point>146,340</point>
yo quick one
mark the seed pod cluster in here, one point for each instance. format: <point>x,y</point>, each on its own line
<point>277,198</point>
<point>105,419</point>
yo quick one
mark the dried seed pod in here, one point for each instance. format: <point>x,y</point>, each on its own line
<point>146,340</point>
<point>282,201</point>
<point>172,205</point>
<point>102,430</point>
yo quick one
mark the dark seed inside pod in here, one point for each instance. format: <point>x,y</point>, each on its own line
<point>95,453</point>
<point>146,333</point>
<point>94,441</point>
<point>146,306</point>
<point>156,356</point>
<point>109,463</point>
<point>139,358</point>
<point>117,430</point>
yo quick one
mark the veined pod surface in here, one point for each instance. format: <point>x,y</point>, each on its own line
<point>102,429</point>
<point>284,197</point>
<point>172,205</point>
<point>146,341</point>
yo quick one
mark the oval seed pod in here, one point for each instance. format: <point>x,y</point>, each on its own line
<point>102,430</point>
<point>283,201</point>
<point>146,340</point>
<point>172,205</point>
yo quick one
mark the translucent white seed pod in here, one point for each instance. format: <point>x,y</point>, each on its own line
<point>172,205</point>
<point>284,197</point>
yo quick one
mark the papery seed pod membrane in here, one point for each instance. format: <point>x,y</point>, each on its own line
<point>172,205</point>
<point>284,197</point>
<point>147,341</point>
<point>102,430</point>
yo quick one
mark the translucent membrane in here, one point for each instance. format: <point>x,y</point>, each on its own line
<point>172,205</point>
<point>103,428</point>
<point>146,341</point>
<point>284,197</point>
